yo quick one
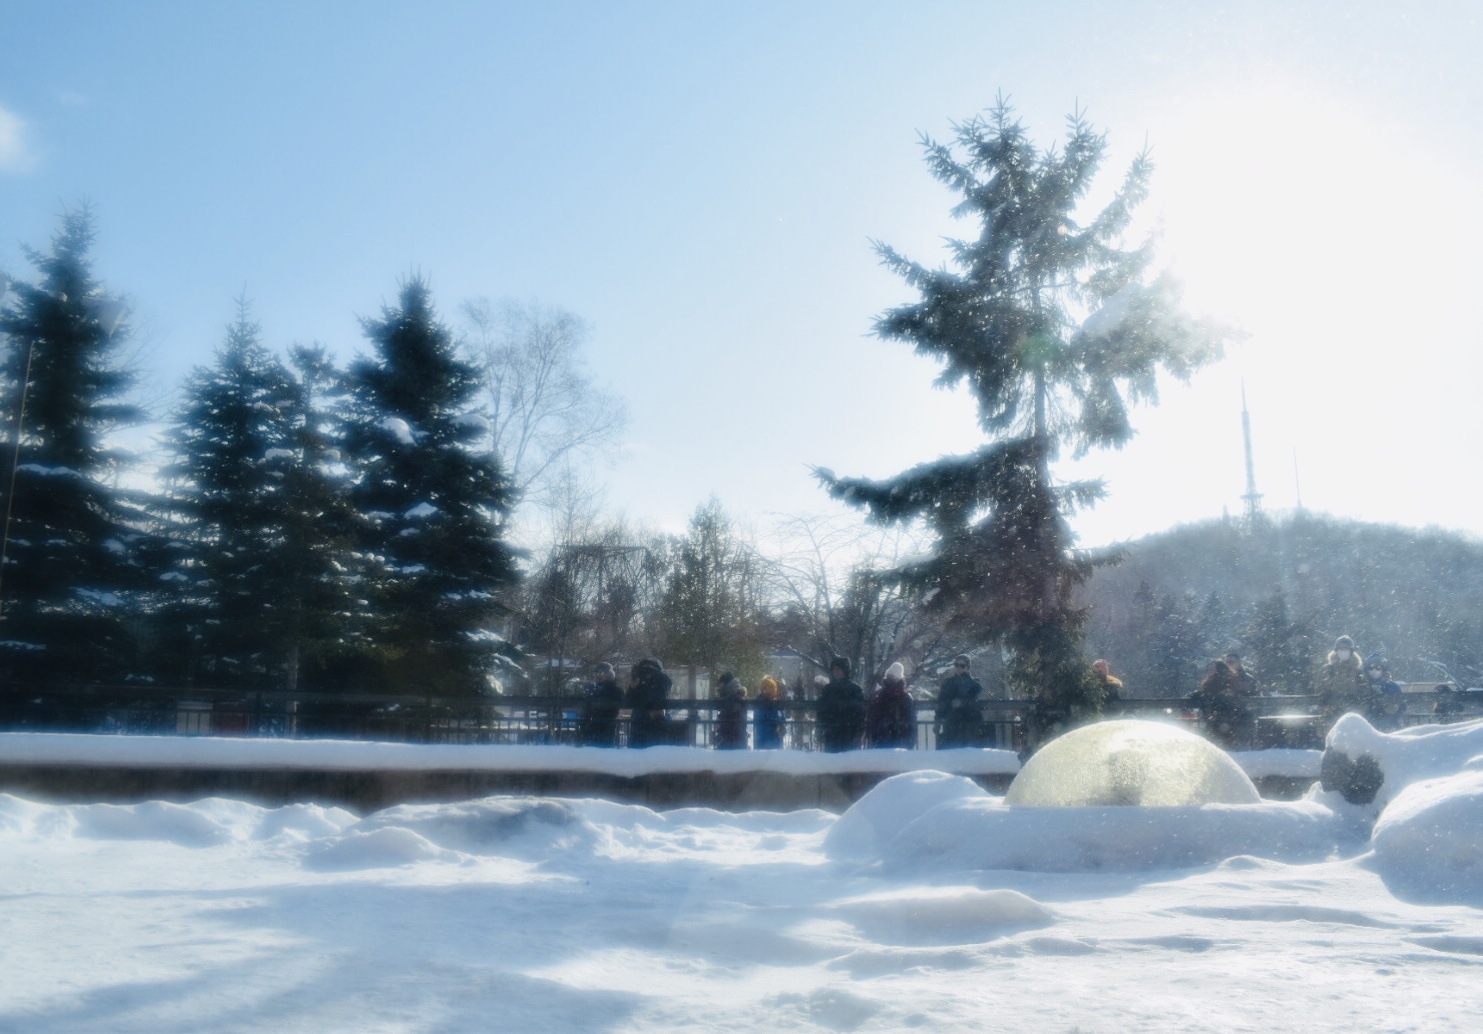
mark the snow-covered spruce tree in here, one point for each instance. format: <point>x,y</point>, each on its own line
<point>432,503</point>
<point>264,525</point>
<point>74,556</point>
<point>1055,328</point>
<point>320,528</point>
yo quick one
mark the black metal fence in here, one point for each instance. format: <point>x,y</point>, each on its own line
<point>1277,721</point>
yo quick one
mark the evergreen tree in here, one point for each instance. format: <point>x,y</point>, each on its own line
<point>1055,329</point>
<point>432,543</point>
<point>75,561</point>
<point>1281,646</point>
<point>319,526</point>
<point>262,520</point>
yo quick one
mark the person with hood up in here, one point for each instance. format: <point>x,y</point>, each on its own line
<point>1226,716</point>
<point>891,714</point>
<point>648,694</point>
<point>1245,682</point>
<point>1110,684</point>
<point>731,716</point>
<point>1341,683</point>
<point>1447,707</point>
<point>767,716</point>
<point>959,716</point>
<point>599,723</point>
<point>841,709</point>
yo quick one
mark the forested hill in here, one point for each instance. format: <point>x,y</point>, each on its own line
<point>1280,592</point>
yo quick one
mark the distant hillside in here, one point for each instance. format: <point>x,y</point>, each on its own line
<point>1280,592</point>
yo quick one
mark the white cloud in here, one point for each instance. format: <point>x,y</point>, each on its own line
<point>15,156</point>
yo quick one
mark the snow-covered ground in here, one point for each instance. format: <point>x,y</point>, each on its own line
<point>929,905</point>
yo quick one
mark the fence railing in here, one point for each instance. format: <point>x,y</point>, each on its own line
<point>1276,720</point>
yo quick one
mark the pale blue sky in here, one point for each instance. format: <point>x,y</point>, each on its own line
<point>700,182</point>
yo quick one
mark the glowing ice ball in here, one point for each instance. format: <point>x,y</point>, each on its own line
<point>1130,762</point>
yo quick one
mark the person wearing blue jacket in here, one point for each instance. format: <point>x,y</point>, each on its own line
<point>767,716</point>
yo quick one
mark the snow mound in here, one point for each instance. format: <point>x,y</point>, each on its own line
<point>985,833</point>
<point>375,849</point>
<point>938,916</point>
<point>203,823</point>
<point>527,827</point>
<point>303,822</point>
<point>1411,755</point>
<point>1130,762</point>
<point>875,819</point>
<point>1428,843</point>
<point>189,825</point>
<point>23,819</point>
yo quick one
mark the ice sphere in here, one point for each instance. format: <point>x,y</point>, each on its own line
<point>1130,762</point>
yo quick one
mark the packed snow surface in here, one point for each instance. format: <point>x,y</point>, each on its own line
<point>1130,762</point>
<point>931,904</point>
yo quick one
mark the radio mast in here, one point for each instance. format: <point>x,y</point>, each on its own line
<point>1252,498</point>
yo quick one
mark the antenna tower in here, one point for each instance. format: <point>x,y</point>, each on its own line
<point>1252,498</point>
<point>1297,481</point>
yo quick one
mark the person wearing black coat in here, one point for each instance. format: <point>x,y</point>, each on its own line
<point>891,714</point>
<point>599,724</point>
<point>841,709</point>
<point>959,716</point>
<point>1227,719</point>
<point>731,716</point>
<point>648,691</point>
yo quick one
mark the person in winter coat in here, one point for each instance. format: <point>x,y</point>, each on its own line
<point>1341,683</point>
<point>1227,718</point>
<point>841,709</point>
<point>959,717</point>
<point>1110,684</point>
<point>1245,682</point>
<point>767,716</point>
<point>731,716</point>
<point>1386,702</point>
<point>648,691</point>
<point>1447,707</point>
<point>891,714</point>
<point>599,722</point>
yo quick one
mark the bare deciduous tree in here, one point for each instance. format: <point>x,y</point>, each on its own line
<point>832,575</point>
<point>594,596</point>
<point>546,414</point>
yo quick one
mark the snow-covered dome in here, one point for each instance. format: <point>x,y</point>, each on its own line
<point>1130,762</point>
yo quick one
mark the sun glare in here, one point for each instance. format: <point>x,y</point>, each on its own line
<point>1340,245</point>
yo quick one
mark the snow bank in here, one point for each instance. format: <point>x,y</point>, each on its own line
<point>1428,842</point>
<point>1130,762</point>
<point>375,849</point>
<point>202,823</point>
<point>986,833</point>
<point>524,826</point>
<point>939,821</point>
<point>1408,756</point>
<point>23,748</point>
<point>1283,762</point>
<point>874,820</point>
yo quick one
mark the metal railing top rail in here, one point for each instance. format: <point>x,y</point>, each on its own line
<point>83,694</point>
